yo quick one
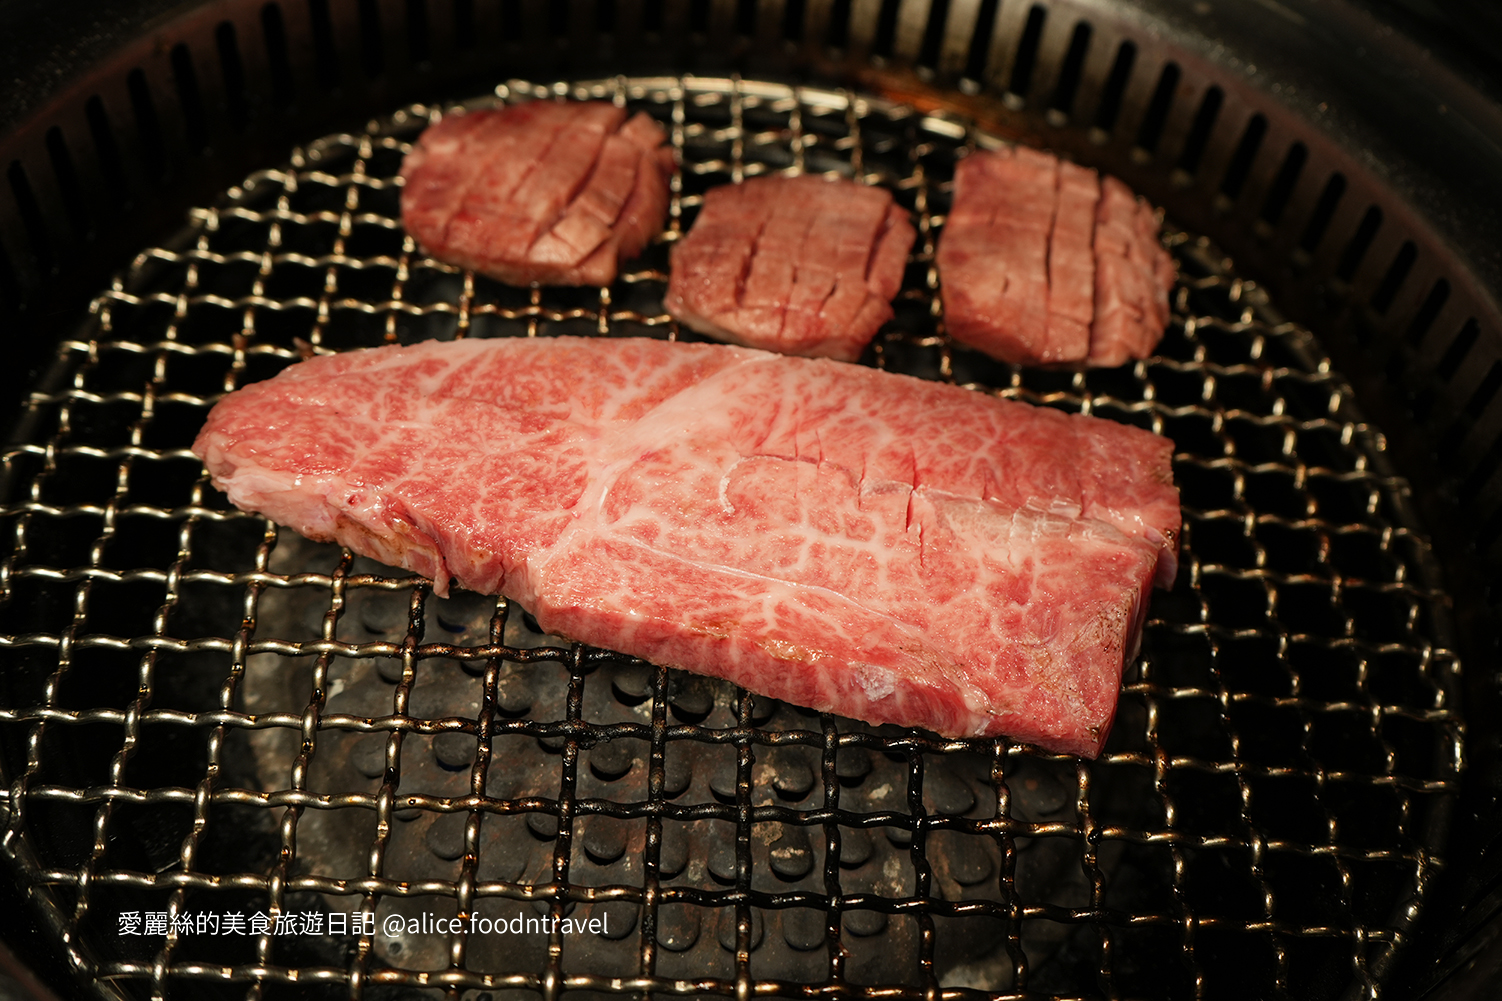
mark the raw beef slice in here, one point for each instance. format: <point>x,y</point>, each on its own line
<point>869,544</point>
<point>1045,262</point>
<point>550,192</point>
<point>801,265</point>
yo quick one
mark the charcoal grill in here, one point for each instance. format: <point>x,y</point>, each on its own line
<point>203,714</point>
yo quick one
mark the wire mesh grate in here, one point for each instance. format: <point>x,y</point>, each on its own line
<point>204,715</point>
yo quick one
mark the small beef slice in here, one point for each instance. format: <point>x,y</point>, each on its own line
<point>1132,279</point>
<point>1043,262</point>
<point>548,192</point>
<point>801,265</point>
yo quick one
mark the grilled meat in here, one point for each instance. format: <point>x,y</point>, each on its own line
<point>869,544</point>
<point>1044,262</point>
<point>547,192</point>
<point>801,265</point>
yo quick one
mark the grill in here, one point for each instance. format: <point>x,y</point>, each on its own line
<point>204,716</point>
<point>1301,670</point>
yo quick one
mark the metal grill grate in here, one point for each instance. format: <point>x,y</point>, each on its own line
<point>186,686</point>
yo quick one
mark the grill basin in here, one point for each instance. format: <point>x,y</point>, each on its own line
<point>209,697</point>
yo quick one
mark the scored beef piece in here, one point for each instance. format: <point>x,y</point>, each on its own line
<point>869,544</point>
<point>1133,277</point>
<point>1045,262</point>
<point>549,192</point>
<point>801,265</point>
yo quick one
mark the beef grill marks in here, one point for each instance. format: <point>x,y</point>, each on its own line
<point>1270,801</point>
<point>1045,262</point>
<point>545,191</point>
<point>801,265</point>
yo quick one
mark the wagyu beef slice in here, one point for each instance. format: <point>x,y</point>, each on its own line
<point>550,192</point>
<point>1134,277</point>
<point>1071,264</point>
<point>801,265</point>
<point>994,255</point>
<point>858,542</point>
<point>1044,262</point>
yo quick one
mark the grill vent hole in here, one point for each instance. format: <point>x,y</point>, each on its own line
<point>1481,397</point>
<point>793,13</point>
<point>886,29</point>
<point>1424,318</point>
<point>1027,52</point>
<point>236,101</point>
<point>153,152</point>
<point>1396,275</point>
<point>980,41</point>
<point>1485,392</point>
<point>1072,69</point>
<point>605,17</point>
<point>277,60</point>
<point>1324,211</point>
<point>1241,161</point>
<point>1199,131</point>
<point>1471,486</point>
<point>417,31</point>
<point>839,23</point>
<point>1283,185</point>
<point>464,23</point>
<point>372,58</point>
<point>1489,533</point>
<point>1458,349</point>
<point>111,164</point>
<point>698,15</point>
<point>933,33</point>
<point>325,53</point>
<point>1109,108</point>
<point>1151,129</point>
<point>745,17</point>
<point>10,287</point>
<point>651,15</point>
<point>31,216</point>
<point>1360,243</point>
<point>195,119</point>
<point>67,182</point>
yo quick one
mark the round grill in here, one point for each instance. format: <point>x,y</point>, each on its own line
<point>192,692</point>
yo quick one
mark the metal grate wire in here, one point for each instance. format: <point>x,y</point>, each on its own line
<point>1264,820</point>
